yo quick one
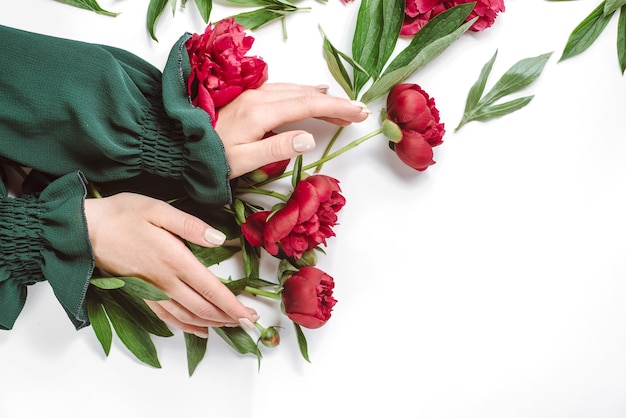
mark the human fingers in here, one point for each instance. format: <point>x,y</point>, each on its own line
<point>277,147</point>
<point>196,285</point>
<point>258,111</point>
<point>281,107</point>
<point>163,314</point>
<point>184,225</point>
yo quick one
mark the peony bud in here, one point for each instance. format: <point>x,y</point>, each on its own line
<point>268,171</point>
<point>414,113</point>
<point>270,337</point>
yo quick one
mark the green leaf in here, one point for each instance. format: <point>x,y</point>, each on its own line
<point>239,340</point>
<point>478,88</point>
<point>251,257</point>
<point>302,344</point>
<point>502,109</point>
<point>425,55</point>
<point>132,335</point>
<point>236,286</point>
<point>249,3</point>
<point>375,36</point>
<point>296,174</point>
<point>88,5</point>
<point>107,283</point>
<point>520,75</point>
<point>155,8</point>
<point>585,34</point>
<point>256,18</point>
<point>142,289</point>
<point>196,349</point>
<point>137,309</point>
<point>333,61</point>
<point>100,323</point>
<point>440,26</point>
<point>621,39</point>
<point>205,6</point>
<point>209,256</point>
<point>612,5</point>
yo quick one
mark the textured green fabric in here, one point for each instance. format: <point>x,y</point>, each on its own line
<point>44,236</point>
<point>68,105</point>
<point>77,112</point>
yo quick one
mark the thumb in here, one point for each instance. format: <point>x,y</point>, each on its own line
<point>274,148</point>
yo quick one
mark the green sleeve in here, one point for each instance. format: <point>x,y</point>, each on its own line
<point>68,105</point>
<point>44,237</point>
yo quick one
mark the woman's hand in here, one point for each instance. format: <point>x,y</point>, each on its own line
<point>135,235</point>
<point>243,122</point>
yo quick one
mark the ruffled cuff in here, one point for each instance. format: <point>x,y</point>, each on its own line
<point>205,170</point>
<point>45,237</point>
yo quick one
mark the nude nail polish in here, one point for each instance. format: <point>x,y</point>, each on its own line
<point>201,334</point>
<point>303,142</point>
<point>246,323</point>
<point>362,105</point>
<point>213,236</point>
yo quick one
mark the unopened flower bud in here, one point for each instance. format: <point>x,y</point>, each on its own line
<point>268,171</point>
<point>270,337</point>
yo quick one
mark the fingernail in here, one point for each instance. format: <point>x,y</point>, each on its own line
<point>245,323</point>
<point>256,317</point>
<point>201,334</point>
<point>362,105</point>
<point>303,142</point>
<point>213,236</point>
<point>323,87</point>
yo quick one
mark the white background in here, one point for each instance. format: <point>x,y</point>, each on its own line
<point>490,285</point>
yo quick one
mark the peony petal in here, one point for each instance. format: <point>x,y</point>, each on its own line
<point>281,223</point>
<point>414,151</point>
<point>306,197</point>
<point>253,227</point>
<point>407,106</point>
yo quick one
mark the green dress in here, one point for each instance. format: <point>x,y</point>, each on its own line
<point>80,113</point>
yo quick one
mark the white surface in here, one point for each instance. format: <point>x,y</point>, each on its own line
<point>491,285</point>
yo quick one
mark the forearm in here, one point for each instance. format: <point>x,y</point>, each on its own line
<point>106,112</point>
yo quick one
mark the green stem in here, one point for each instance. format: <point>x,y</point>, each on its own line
<point>328,157</point>
<point>263,192</point>
<point>343,149</point>
<point>329,147</point>
<point>259,292</point>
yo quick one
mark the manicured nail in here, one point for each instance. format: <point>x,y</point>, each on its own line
<point>245,323</point>
<point>256,317</point>
<point>323,87</point>
<point>201,334</point>
<point>303,142</point>
<point>213,236</point>
<point>362,105</point>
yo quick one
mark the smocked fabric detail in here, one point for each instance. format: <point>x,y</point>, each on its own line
<point>161,144</point>
<point>20,239</point>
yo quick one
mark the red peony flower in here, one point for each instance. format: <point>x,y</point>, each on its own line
<point>307,297</point>
<point>220,71</point>
<point>418,12</point>
<point>305,222</point>
<point>414,112</point>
